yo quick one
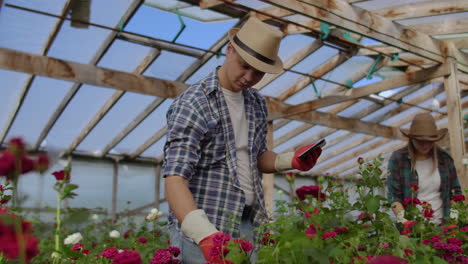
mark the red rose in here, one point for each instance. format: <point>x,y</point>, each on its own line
<point>60,175</point>
<point>458,198</point>
<point>42,163</point>
<point>313,190</point>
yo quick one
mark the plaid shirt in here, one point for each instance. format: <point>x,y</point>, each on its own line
<point>401,177</point>
<point>201,148</point>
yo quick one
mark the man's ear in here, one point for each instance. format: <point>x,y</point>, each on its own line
<point>229,49</point>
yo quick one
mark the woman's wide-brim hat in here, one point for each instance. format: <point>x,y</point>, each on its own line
<point>258,44</point>
<point>423,127</point>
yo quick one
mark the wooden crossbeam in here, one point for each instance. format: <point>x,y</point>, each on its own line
<point>343,15</point>
<point>447,26</point>
<point>391,83</point>
<point>422,9</point>
<point>83,73</point>
<point>335,121</point>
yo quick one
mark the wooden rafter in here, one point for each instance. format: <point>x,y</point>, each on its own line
<point>74,89</point>
<point>152,55</point>
<point>395,82</point>
<point>422,9</point>
<point>341,14</point>
<point>446,26</point>
<point>53,33</point>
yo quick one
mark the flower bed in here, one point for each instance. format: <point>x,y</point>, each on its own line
<point>321,225</point>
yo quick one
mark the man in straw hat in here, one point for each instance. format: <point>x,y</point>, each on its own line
<point>423,170</point>
<point>216,147</point>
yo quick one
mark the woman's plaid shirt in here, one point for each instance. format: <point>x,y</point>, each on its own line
<point>200,147</point>
<point>401,177</point>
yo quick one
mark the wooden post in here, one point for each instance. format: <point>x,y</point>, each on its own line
<point>157,185</point>
<point>269,178</point>
<point>115,181</point>
<point>455,117</point>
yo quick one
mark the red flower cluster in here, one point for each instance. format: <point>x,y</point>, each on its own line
<point>458,198</point>
<point>166,256</point>
<point>14,160</point>
<point>387,259</point>
<point>127,257</point>
<point>109,253</point>
<point>10,239</point>
<point>411,200</point>
<point>244,245</point>
<point>267,240</point>
<point>313,190</point>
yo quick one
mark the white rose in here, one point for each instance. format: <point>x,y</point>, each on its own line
<point>73,238</point>
<point>114,234</point>
<point>95,217</point>
<point>153,215</point>
<point>55,255</point>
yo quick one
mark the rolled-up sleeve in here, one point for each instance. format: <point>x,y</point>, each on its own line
<point>185,129</point>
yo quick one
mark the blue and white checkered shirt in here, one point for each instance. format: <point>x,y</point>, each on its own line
<point>201,148</point>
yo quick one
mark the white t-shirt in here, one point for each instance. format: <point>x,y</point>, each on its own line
<point>235,103</point>
<point>429,187</point>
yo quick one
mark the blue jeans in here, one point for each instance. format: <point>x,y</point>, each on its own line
<point>191,252</point>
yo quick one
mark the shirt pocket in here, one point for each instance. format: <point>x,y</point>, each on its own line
<point>213,146</point>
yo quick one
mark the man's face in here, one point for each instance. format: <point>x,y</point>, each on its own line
<point>240,74</point>
<point>423,146</point>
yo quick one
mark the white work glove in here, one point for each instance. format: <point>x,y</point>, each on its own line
<point>454,214</point>
<point>400,217</point>
<point>197,226</point>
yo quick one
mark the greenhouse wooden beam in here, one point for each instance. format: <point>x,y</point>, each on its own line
<point>89,74</point>
<point>157,185</point>
<point>446,26</point>
<point>268,179</point>
<point>30,79</point>
<point>360,115</point>
<point>343,15</point>
<point>298,57</point>
<point>336,109</point>
<point>115,184</point>
<point>74,89</point>
<point>147,61</point>
<point>422,9</point>
<point>391,83</point>
<point>334,121</point>
<point>455,117</point>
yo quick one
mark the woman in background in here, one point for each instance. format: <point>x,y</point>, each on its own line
<point>423,164</point>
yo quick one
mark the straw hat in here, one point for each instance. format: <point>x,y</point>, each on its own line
<point>258,44</point>
<point>423,127</point>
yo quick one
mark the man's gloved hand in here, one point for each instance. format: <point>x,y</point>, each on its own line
<point>214,247</point>
<point>198,227</point>
<point>291,160</point>
<point>400,217</point>
<point>309,161</point>
<point>454,213</point>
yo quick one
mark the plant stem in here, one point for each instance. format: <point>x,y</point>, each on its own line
<point>20,238</point>
<point>57,229</point>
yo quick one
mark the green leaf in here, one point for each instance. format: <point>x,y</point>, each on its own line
<point>437,260</point>
<point>373,204</point>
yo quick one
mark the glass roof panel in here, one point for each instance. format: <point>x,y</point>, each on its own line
<point>124,56</point>
<point>116,120</point>
<point>290,126</point>
<point>206,69</point>
<point>151,125</point>
<point>305,137</point>
<point>357,108</point>
<point>108,13</point>
<point>165,25</point>
<point>165,68</point>
<point>24,31</point>
<point>41,101</point>
<point>291,44</point>
<point>156,150</point>
<point>76,44</point>
<point>84,105</point>
<point>280,84</point>
<point>51,6</point>
<point>315,59</point>
<point>12,84</point>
